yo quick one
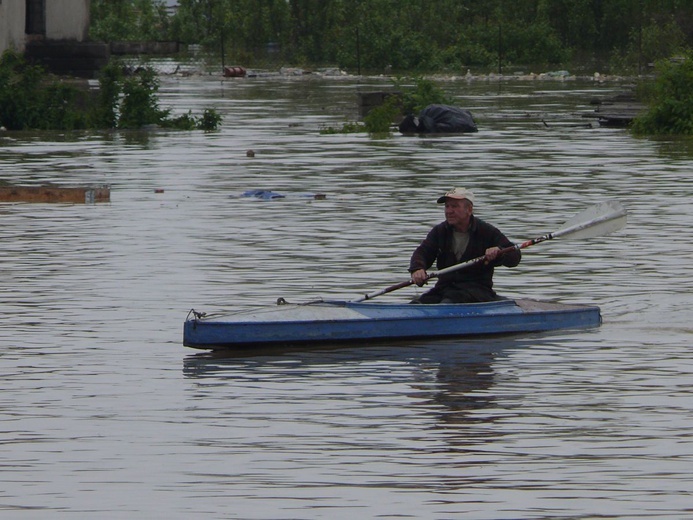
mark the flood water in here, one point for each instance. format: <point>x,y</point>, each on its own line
<point>104,413</point>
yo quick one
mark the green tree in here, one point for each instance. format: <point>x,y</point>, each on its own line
<point>413,36</point>
<point>128,20</point>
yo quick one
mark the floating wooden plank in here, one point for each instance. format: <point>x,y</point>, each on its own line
<point>51,193</point>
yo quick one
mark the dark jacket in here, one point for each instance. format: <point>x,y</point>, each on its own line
<point>438,246</point>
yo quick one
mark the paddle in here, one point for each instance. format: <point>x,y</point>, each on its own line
<point>598,220</point>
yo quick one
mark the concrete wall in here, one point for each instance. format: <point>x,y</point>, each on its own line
<point>12,24</point>
<point>67,20</point>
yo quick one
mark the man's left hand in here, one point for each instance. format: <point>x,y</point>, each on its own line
<point>491,254</point>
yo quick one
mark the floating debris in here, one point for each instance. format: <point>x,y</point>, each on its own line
<point>52,193</point>
<point>234,72</point>
<point>273,195</point>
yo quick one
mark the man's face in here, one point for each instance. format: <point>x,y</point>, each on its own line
<point>457,213</point>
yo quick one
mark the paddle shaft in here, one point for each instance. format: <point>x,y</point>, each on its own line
<point>602,219</point>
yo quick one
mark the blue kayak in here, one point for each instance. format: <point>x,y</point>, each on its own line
<point>339,322</point>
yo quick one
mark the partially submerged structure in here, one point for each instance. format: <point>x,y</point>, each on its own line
<point>53,33</point>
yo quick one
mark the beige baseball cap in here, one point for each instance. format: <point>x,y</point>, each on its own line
<point>457,193</point>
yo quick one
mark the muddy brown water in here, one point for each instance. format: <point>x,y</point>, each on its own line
<point>106,415</point>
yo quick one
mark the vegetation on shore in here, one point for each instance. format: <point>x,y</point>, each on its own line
<point>412,36</point>
<point>416,37</point>
<point>670,100</point>
<point>32,99</point>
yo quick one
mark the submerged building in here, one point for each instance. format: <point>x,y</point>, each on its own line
<point>53,33</point>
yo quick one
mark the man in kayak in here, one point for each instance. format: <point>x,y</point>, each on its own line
<point>460,238</point>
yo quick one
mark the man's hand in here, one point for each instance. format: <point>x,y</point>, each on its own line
<point>419,277</point>
<point>491,254</point>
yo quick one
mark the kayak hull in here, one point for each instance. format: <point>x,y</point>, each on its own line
<point>338,322</point>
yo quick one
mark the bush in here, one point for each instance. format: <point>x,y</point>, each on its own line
<point>379,120</point>
<point>208,121</point>
<point>671,100</point>
<point>140,106</point>
<point>424,93</point>
<point>58,101</point>
<point>104,114</point>
<point>32,99</point>
<point>409,101</point>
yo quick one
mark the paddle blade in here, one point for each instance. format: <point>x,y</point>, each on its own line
<point>598,220</point>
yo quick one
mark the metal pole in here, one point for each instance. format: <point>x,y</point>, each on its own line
<point>500,39</point>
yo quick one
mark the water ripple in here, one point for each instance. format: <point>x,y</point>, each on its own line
<point>105,415</point>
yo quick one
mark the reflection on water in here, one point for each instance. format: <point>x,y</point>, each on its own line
<point>106,414</point>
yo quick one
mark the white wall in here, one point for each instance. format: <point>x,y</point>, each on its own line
<point>67,19</point>
<point>12,24</point>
